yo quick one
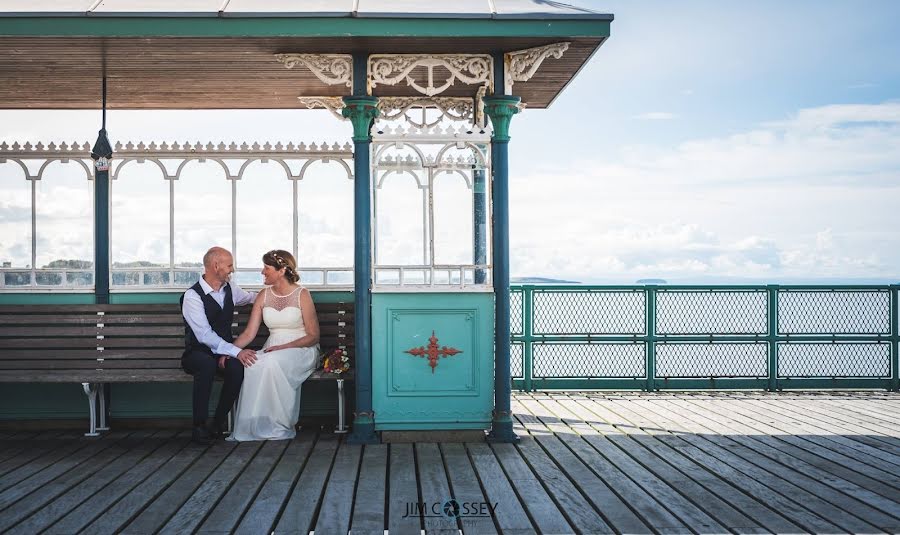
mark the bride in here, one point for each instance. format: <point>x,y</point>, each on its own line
<point>269,402</point>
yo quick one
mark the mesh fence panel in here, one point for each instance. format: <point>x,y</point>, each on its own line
<point>712,360</point>
<point>515,311</point>
<point>580,312</point>
<point>711,312</point>
<point>834,360</point>
<point>837,312</point>
<point>588,360</point>
<point>516,357</point>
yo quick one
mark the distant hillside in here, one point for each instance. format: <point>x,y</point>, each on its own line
<point>539,280</point>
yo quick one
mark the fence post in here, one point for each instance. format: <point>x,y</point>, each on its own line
<point>895,339</point>
<point>527,335</point>
<point>650,349</point>
<point>772,337</point>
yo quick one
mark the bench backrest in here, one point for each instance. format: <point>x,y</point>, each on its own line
<point>128,342</point>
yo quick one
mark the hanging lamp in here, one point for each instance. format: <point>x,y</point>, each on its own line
<point>102,151</point>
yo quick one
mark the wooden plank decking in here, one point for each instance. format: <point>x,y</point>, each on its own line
<point>587,463</point>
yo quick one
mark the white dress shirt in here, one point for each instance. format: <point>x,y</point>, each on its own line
<point>193,311</point>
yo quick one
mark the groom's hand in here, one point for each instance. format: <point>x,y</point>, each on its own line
<point>247,357</point>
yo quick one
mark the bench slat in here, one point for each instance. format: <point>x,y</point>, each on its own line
<point>54,364</point>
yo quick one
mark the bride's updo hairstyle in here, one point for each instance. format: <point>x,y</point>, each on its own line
<point>279,259</point>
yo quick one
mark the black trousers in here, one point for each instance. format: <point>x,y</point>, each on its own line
<point>204,368</point>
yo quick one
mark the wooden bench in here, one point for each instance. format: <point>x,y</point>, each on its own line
<point>97,345</point>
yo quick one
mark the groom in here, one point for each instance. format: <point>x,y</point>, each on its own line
<point>208,310</point>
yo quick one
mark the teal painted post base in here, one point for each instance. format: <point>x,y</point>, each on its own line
<point>432,361</point>
<point>502,429</point>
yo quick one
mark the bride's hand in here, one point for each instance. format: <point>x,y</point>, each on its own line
<point>275,348</point>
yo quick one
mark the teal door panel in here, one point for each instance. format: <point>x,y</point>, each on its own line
<point>432,361</point>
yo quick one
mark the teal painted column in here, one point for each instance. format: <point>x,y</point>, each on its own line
<point>501,108</point>
<point>361,110</point>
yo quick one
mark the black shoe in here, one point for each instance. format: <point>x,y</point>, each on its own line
<point>215,431</point>
<point>200,436</point>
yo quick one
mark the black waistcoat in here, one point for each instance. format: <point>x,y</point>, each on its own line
<point>220,319</point>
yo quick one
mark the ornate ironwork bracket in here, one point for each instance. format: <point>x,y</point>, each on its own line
<point>521,65</point>
<point>391,69</point>
<point>457,109</point>
<point>451,108</point>
<point>332,69</point>
<point>332,104</point>
<point>433,352</point>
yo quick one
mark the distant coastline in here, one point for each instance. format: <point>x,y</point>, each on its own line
<point>540,280</point>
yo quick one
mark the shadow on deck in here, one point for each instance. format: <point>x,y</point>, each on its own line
<point>587,463</point>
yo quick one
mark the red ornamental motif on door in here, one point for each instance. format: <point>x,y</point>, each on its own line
<point>433,351</point>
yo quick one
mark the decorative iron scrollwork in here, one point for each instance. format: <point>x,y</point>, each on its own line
<point>331,69</point>
<point>522,64</point>
<point>391,69</point>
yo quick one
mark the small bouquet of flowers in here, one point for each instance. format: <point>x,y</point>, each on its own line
<point>337,361</point>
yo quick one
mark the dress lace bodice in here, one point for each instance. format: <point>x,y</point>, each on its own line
<point>282,315</point>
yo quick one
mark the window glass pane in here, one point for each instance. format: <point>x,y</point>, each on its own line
<point>400,221</point>
<point>202,212</point>
<point>15,219</point>
<point>140,218</point>
<point>65,223</point>
<point>452,219</point>
<point>264,215</point>
<point>325,205</point>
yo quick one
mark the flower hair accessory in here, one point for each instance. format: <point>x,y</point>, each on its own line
<point>336,361</point>
<point>282,264</point>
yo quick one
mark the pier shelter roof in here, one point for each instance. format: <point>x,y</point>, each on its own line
<point>196,54</point>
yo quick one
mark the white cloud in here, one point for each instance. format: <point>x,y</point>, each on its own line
<point>811,196</point>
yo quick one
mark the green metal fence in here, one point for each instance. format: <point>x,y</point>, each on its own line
<point>704,337</point>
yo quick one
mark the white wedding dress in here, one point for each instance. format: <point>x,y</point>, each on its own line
<point>269,403</point>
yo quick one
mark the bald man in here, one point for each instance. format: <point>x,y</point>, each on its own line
<point>208,310</point>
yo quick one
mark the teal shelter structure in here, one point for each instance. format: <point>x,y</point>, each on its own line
<point>431,90</point>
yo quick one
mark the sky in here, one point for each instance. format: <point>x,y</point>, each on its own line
<point>706,141</point>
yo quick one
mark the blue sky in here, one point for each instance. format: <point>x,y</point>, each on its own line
<point>711,140</point>
<point>705,141</point>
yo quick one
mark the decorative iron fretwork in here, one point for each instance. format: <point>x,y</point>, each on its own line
<point>332,104</point>
<point>391,69</point>
<point>433,351</point>
<point>450,108</point>
<point>331,69</point>
<point>522,64</point>
<point>172,160</point>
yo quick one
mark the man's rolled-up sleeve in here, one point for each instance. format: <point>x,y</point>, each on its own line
<point>193,313</point>
<point>241,296</point>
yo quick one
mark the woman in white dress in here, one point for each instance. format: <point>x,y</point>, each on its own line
<point>269,403</point>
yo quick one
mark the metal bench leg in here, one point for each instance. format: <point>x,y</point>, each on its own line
<point>102,406</point>
<point>341,426</point>
<point>91,391</point>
